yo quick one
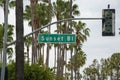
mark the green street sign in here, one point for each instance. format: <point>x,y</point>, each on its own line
<point>56,38</point>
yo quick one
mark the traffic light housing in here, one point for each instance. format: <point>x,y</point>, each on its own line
<point>108,22</point>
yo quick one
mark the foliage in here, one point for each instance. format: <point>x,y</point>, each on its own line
<point>11,70</point>
<point>32,72</point>
<point>40,9</point>
<point>59,78</point>
<point>62,12</point>
<point>9,38</point>
<point>78,60</point>
<point>108,68</point>
<point>28,41</point>
<point>1,36</point>
<point>35,72</point>
<point>11,3</point>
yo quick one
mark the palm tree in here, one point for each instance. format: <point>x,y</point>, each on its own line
<point>61,11</point>
<point>71,28</point>
<point>81,35</point>
<point>50,15</point>
<point>95,69</point>
<point>39,14</point>
<point>81,32</point>
<point>57,9</point>
<point>31,16</point>
<point>110,68</point>
<point>19,41</point>
<point>87,73</point>
<point>9,39</point>
<point>91,72</point>
<point>115,63</point>
<point>104,69</point>
<point>11,4</point>
<point>78,60</point>
<point>2,5</point>
<point>55,59</point>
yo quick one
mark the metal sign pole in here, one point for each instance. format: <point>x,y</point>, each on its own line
<point>68,19</point>
<point>5,41</point>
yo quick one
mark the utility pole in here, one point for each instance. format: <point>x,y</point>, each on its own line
<point>4,60</point>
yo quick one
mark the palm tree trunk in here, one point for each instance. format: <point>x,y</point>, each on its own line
<point>48,45</point>
<point>34,24</point>
<point>55,60</point>
<point>62,60</point>
<point>32,20</point>
<point>19,41</point>
<point>65,59</point>
<point>43,54</point>
<point>58,61</point>
<point>28,54</point>
<point>0,55</point>
<point>71,28</point>
<point>47,55</point>
<point>71,65</point>
<point>58,53</point>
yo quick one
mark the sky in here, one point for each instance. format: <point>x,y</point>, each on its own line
<point>96,46</point>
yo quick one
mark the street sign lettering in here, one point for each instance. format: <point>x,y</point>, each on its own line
<point>56,38</point>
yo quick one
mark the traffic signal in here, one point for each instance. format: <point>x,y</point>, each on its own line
<point>108,22</point>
